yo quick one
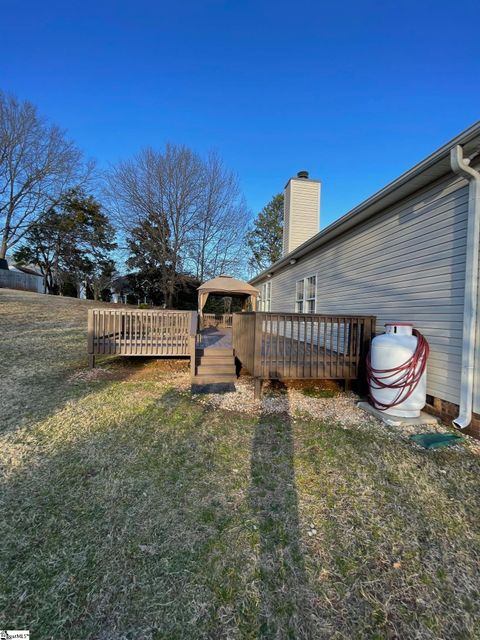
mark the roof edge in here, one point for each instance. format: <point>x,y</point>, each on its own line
<point>374,201</point>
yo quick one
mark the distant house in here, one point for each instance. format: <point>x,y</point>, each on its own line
<point>25,269</point>
<point>24,277</point>
<point>407,253</point>
<point>121,288</point>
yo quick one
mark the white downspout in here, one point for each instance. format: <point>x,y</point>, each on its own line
<point>461,166</point>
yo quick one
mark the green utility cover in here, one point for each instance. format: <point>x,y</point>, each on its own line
<point>436,440</point>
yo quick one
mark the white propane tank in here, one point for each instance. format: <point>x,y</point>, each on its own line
<point>389,351</point>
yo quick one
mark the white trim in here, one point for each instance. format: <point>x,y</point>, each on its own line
<point>266,296</point>
<point>434,167</point>
<point>461,166</point>
<point>304,300</point>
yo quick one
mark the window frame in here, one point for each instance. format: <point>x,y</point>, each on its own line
<point>302,302</point>
<point>266,296</point>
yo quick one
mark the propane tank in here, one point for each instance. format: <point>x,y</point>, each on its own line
<point>397,371</point>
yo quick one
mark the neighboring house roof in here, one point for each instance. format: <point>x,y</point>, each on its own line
<point>432,168</point>
<point>122,284</point>
<point>227,284</point>
<point>25,269</point>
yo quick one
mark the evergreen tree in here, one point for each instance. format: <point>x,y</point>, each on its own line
<point>265,239</point>
<point>71,243</point>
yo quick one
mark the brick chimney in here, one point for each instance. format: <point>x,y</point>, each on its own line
<point>301,214</point>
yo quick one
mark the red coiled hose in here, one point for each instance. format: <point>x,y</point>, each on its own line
<point>405,377</point>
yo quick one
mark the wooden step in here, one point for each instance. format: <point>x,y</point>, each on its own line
<point>216,378</point>
<point>215,369</point>
<point>218,360</point>
<point>214,353</point>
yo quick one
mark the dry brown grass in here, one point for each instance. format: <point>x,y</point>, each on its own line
<point>130,509</point>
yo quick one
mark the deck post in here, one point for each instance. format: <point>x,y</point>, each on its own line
<point>257,355</point>
<point>368,334</point>
<point>90,336</point>
<point>257,346</point>
<point>258,394</point>
<point>193,343</point>
<point>193,355</point>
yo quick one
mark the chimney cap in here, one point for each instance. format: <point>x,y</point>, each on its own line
<point>303,175</point>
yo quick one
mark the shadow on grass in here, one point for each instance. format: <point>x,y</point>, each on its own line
<point>34,389</point>
<point>395,545</point>
<point>129,526</point>
<point>286,601</point>
<point>97,528</point>
<point>134,522</point>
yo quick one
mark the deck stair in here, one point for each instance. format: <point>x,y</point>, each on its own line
<point>214,366</point>
<point>214,362</point>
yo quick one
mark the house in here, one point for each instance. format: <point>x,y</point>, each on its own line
<point>408,253</point>
<point>25,277</point>
<point>121,288</point>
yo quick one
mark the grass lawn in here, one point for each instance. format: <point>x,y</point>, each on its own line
<point>131,509</point>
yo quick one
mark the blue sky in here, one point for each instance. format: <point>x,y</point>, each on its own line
<point>356,91</point>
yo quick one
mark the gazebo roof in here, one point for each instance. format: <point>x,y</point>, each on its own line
<point>227,284</point>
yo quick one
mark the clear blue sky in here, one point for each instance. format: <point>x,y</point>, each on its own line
<point>355,91</point>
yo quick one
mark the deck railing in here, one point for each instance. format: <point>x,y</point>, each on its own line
<point>217,320</point>
<point>296,345</point>
<point>141,333</point>
<point>227,320</point>
<point>243,338</point>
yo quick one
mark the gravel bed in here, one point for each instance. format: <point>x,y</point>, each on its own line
<point>342,408</point>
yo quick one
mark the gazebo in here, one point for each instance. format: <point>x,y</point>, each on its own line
<point>227,286</point>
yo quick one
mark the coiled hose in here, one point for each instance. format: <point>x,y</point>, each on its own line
<point>404,378</point>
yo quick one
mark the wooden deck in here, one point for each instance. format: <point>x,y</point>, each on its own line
<point>267,345</point>
<point>286,357</point>
<point>301,346</point>
<point>292,358</point>
<point>132,332</point>
<point>212,338</point>
<point>217,321</point>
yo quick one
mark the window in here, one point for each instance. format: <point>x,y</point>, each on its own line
<point>266,297</point>
<point>300,296</point>
<point>311,293</point>
<point>306,295</point>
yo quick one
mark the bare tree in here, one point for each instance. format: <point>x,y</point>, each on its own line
<point>217,242</point>
<point>180,215</point>
<point>37,165</point>
<point>156,199</point>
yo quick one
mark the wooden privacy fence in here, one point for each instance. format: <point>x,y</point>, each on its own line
<point>287,346</point>
<point>128,332</point>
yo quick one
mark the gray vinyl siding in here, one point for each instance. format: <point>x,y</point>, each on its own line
<point>406,263</point>
<point>12,279</point>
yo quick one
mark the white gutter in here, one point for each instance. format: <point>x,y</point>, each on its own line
<point>461,166</point>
